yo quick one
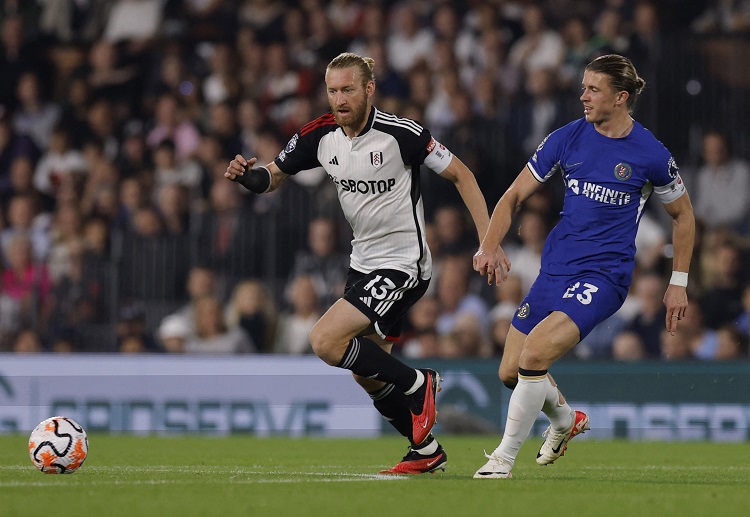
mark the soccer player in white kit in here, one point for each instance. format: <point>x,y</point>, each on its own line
<point>373,158</point>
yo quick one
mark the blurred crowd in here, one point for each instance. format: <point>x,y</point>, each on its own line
<point>118,231</point>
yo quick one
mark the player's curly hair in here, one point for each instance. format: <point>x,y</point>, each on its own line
<point>622,73</point>
<point>350,59</point>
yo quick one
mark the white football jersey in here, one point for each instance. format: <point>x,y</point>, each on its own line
<point>377,178</point>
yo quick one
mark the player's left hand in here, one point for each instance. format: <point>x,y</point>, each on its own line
<point>676,301</point>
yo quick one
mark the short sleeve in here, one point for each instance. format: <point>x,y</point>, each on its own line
<point>545,161</point>
<point>414,145</point>
<point>300,153</point>
<point>438,156</point>
<point>668,184</point>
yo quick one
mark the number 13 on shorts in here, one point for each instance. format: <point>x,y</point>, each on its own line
<point>582,291</point>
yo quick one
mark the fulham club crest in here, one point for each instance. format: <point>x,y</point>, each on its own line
<point>376,158</point>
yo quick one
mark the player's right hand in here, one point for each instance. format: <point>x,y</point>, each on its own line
<point>495,265</point>
<point>238,166</point>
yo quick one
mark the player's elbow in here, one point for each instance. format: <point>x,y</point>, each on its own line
<point>458,173</point>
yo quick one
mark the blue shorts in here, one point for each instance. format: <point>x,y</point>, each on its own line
<point>587,298</point>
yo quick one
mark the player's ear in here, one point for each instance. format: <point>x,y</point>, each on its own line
<point>622,97</point>
<point>370,88</point>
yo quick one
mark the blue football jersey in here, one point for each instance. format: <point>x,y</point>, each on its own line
<point>607,183</point>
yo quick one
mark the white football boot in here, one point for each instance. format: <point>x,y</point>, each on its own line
<point>556,442</point>
<point>495,468</point>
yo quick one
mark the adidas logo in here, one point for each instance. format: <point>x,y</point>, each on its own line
<point>366,299</point>
<point>335,161</point>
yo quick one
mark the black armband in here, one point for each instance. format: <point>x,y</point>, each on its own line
<point>257,180</point>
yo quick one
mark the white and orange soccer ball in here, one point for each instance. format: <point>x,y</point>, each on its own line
<point>58,445</point>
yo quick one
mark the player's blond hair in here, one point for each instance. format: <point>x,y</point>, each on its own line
<point>365,65</point>
<point>622,75</point>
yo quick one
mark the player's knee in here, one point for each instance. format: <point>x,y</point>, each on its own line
<point>323,347</point>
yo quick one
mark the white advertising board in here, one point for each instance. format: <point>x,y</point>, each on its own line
<point>262,395</point>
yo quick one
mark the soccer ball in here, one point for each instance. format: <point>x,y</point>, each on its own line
<point>58,445</point>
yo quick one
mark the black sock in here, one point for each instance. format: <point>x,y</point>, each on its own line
<point>365,358</point>
<point>391,403</point>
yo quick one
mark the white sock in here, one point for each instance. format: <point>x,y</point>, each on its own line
<point>428,449</point>
<point>525,404</point>
<point>417,383</point>
<point>560,415</point>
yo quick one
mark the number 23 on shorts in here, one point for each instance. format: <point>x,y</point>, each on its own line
<point>582,291</point>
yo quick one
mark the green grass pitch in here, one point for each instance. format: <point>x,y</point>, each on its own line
<point>249,476</point>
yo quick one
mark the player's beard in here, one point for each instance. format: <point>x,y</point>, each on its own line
<point>355,119</point>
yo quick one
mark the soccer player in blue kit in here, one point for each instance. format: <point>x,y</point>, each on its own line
<point>610,165</point>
